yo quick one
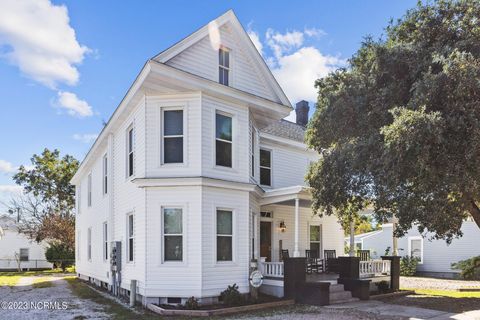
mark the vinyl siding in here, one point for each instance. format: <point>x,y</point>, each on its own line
<point>202,60</point>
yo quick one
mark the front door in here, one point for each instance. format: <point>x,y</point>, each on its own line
<point>266,240</point>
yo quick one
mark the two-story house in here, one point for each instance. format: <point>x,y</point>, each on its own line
<point>196,173</point>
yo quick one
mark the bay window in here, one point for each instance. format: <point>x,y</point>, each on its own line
<point>223,140</point>
<point>172,234</point>
<point>224,235</point>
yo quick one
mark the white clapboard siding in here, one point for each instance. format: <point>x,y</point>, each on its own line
<point>202,59</point>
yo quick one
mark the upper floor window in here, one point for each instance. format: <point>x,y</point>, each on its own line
<point>252,151</point>
<point>265,167</point>
<point>105,174</point>
<point>172,234</point>
<point>415,248</point>
<point>130,237</point>
<point>173,136</point>
<point>223,66</point>
<point>130,151</point>
<point>223,140</point>
<point>89,190</point>
<point>89,244</point>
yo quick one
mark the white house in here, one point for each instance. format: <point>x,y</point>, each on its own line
<point>436,256</point>
<point>16,248</point>
<point>196,173</point>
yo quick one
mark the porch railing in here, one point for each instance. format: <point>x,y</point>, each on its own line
<point>374,268</point>
<point>271,269</point>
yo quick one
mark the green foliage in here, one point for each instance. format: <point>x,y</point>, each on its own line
<point>191,303</point>
<point>470,268</point>
<point>231,296</point>
<point>47,205</point>
<point>60,255</point>
<point>383,286</point>
<point>408,266</point>
<point>399,128</point>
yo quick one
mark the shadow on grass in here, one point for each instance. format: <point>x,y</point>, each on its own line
<point>437,302</point>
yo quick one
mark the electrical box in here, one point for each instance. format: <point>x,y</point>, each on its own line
<point>116,256</point>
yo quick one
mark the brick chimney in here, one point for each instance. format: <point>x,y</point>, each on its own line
<point>301,109</point>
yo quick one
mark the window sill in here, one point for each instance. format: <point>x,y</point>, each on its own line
<point>226,169</point>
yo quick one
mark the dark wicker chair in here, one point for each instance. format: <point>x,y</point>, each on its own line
<point>285,255</point>
<point>313,263</point>
<point>331,261</point>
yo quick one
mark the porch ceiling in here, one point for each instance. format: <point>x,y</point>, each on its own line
<point>287,196</point>
<point>302,203</point>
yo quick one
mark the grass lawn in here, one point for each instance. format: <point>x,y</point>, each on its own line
<point>9,278</point>
<point>443,300</point>
<point>12,278</point>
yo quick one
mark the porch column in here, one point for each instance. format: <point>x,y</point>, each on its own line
<point>296,252</point>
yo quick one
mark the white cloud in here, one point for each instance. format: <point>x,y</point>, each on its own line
<point>86,137</point>
<point>7,167</point>
<point>40,41</point>
<point>296,63</point>
<point>74,106</point>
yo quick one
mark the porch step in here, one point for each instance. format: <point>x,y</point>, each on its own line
<point>336,288</point>
<point>344,301</point>
<point>339,296</point>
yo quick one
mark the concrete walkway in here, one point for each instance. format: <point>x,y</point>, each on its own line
<point>384,309</point>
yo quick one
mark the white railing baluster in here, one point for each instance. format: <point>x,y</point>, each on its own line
<point>271,269</point>
<point>374,268</point>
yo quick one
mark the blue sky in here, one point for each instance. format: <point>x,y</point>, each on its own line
<point>65,65</point>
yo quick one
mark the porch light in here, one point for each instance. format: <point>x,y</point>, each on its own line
<point>283,227</point>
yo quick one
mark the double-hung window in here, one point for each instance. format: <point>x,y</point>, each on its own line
<point>130,237</point>
<point>223,140</point>
<point>252,151</point>
<point>265,167</point>
<point>224,235</point>
<point>315,240</point>
<point>415,248</point>
<point>24,254</point>
<point>172,234</point>
<point>89,189</point>
<point>130,151</point>
<point>89,244</point>
<point>105,241</point>
<point>105,174</point>
<point>172,136</point>
<point>223,66</point>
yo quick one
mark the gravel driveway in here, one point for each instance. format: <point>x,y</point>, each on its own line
<point>52,303</point>
<point>436,284</point>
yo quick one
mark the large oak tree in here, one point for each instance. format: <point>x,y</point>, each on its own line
<point>400,126</point>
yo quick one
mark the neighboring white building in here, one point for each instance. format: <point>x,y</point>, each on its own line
<point>436,256</point>
<point>196,173</point>
<point>16,248</point>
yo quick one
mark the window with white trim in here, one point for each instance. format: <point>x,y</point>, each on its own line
<point>252,151</point>
<point>224,235</point>
<point>130,237</point>
<point>24,254</point>
<point>316,240</point>
<point>415,248</point>
<point>172,234</point>
<point>223,66</point>
<point>130,151</point>
<point>89,190</point>
<point>105,174</point>
<point>173,136</point>
<point>223,140</point>
<point>89,244</point>
<point>105,241</point>
<point>265,167</point>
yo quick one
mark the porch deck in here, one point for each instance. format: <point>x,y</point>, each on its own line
<point>322,277</point>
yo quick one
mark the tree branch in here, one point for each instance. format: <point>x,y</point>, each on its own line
<point>475,212</point>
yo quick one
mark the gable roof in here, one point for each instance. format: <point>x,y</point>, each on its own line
<point>249,47</point>
<point>286,129</point>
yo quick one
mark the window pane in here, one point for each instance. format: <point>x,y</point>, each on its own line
<point>265,158</point>
<point>173,122</point>
<point>130,225</point>
<point>224,222</point>
<point>416,247</point>
<point>314,233</point>
<point>226,59</point>
<point>130,140</point>
<point>130,164</point>
<point>173,150</point>
<point>130,249</point>
<point>220,57</point>
<point>173,248</point>
<point>265,177</point>
<point>223,154</point>
<point>172,221</point>
<point>224,248</point>
<point>223,125</point>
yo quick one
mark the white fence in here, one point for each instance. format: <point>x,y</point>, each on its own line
<point>12,264</point>
<point>374,268</point>
<point>271,269</point>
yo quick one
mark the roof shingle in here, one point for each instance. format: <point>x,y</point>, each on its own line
<point>287,130</point>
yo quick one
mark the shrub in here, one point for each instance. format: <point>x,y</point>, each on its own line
<point>469,268</point>
<point>191,303</point>
<point>408,266</point>
<point>60,255</point>
<point>383,286</point>
<point>231,296</point>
